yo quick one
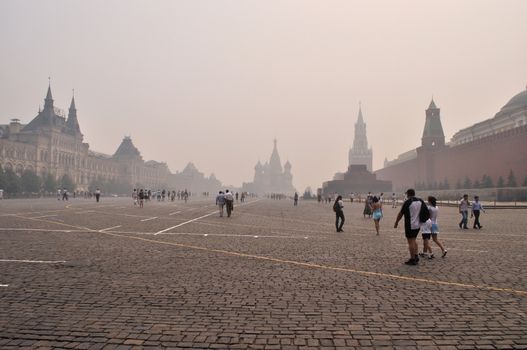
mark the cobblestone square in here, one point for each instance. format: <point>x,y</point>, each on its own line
<point>108,275</point>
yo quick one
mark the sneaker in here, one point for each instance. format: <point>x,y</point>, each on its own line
<point>465,228</point>
<point>444,253</point>
<point>431,257</point>
<point>422,255</point>
<point>460,225</point>
<point>411,262</point>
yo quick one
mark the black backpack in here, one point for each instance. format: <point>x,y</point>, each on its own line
<point>336,207</point>
<point>424,213</point>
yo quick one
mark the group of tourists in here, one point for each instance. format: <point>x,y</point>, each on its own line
<point>476,209</point>
<point>226,200</point>
<point>418,217</point>
<point>139,196</point>
<point>63,194</point>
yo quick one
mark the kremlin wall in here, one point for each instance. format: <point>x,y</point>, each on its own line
<point>494,148</point>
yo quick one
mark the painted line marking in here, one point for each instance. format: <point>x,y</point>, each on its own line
<point>210,234</point>
<point>4,285</point>
<point>152,218</point>
<point>186,222</point>
<point>176,212</point>
<point>44,216</point>
<point>38,229</point>
<point>109,228</point>
<point>34,261</point>
<point>326,267</point>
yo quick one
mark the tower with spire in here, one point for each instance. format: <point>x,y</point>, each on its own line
<point>360,153</point>
<point>433,135</point>
<point>72,123</point>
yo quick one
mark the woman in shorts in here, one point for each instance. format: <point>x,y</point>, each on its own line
<point>376,207</point>
<point>434,229</point>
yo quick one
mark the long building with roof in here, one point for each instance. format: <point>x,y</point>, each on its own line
<point>52,143</point>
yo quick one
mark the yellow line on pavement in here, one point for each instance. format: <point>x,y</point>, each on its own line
<point>325,267</point>
<point>299,263</point>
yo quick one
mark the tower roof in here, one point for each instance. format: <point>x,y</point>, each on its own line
<point>127,148</point>
<point>360,119</point>
<point>432,104</point>
<point>73,123</point>
<point>275,162</point>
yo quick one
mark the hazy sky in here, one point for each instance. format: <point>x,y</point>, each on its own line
<point>214,82</point>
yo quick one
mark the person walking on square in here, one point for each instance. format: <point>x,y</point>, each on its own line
<point>229,202</point>
<point>410,210</point>
<point>377,213</point>
<point>295,199</point>
<point>220,202</point>
<point>477,208</point>
<point>464,204</point>
<point>434,229</point>
<point>97,195</point>
<point>141,196</point>
<point>338,207</point>
<point>367,206</point>
<point>394,200</point>
<point>134,196</point>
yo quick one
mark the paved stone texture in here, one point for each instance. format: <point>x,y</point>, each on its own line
<point>273,276</point>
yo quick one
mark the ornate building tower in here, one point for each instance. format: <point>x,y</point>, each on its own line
<point>433,132</point>
<point>360,153</point>
<point>432,142</point>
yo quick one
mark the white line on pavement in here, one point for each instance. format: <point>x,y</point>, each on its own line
<point>43,216</point>
<point>34,261</point>
<point>4,285</point>
<point>176,212</point>
<point>109,228</point>
<point>186,222</point>
<point>221,235</point>
<point>201,217</point>
<point>152,218</point>
<point>37,229</point>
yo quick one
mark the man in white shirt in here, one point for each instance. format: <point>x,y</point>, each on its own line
<point>229,202</point>
<point>410,210</point>
<point>463,210</point>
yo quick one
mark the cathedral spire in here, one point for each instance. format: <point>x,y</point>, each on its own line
<point>48,101</point>
<point>72,123</point>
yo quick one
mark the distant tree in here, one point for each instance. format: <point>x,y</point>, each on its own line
<point>446,184</point>
<point>467,183</point>
<point>511,180</point>
<point>67,183</point>
<point>30,182</point>
<point>524,181</point>
<point>476,184</point>
<point>486,181</point>
<point>49,183</point>
<point>458,184</point>
<point>12,182</point>
<point>501,182</point>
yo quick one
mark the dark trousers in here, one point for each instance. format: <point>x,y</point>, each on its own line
<point>476,218</point>
<point>97,196</point>
<point>339,215</point>
<point>229,206</point>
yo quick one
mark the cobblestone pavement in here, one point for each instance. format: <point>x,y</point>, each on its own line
<point>86,275</point>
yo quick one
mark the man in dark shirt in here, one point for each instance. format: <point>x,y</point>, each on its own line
<point>410,210</point>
